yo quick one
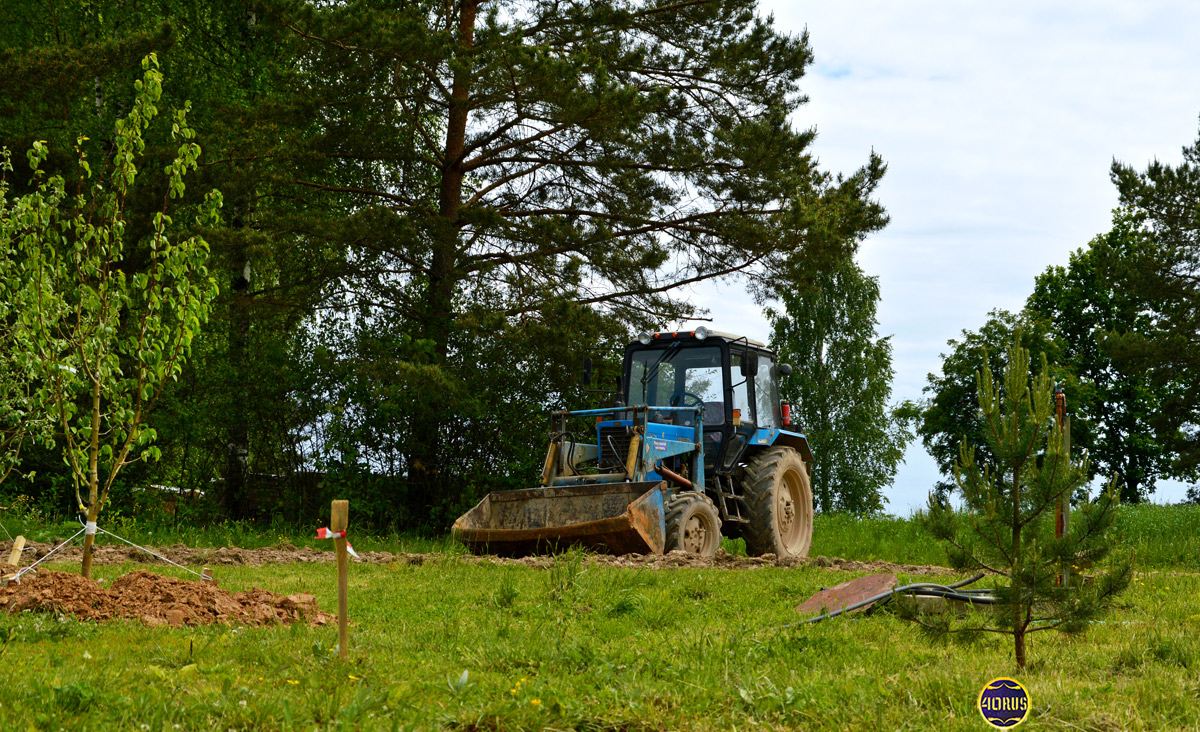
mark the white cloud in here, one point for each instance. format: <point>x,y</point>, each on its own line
<point>998,123</point>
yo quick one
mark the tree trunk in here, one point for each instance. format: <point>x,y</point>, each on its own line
<point>1129,489</point>
<point>425,466</point>
<point>237,427</point>
<point>93,476</point>
<point>1019,628</point>
<point>442,279</point>
<point>237,432</point>
<point>89,540</point>
<point>825,493</point>
<point>1019,646</point>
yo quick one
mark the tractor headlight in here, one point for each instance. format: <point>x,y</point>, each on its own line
<point>701,333</point>
<point>645,338</point>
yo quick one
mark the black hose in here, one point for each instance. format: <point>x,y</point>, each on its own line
<point>967,581</point>
<point>568,435</point>
<point>973,599</point>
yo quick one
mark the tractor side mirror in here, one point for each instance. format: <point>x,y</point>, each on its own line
<point>587,371</point>
<point>785,369</point>
<point>749,364</point>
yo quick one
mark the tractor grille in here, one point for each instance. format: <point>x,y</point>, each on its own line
<point>614,447</point>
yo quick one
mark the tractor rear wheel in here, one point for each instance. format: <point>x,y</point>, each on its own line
<point>693,524</point>
<point>779,502</point>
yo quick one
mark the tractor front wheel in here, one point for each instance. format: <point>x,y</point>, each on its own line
<point>693,524</point>
<point>779,502</point>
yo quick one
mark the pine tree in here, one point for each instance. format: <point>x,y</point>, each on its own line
<point>520,157</point>
<point>1006,525</point>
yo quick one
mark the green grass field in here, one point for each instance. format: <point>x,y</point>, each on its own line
<point>1159,536</point>
<point>588,647</point>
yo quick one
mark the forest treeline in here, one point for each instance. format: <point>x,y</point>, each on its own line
<point>432,211</point>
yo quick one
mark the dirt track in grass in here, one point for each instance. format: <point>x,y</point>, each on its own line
<point>288,554</point>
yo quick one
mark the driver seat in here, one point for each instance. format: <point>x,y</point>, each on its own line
<point>714,413</point>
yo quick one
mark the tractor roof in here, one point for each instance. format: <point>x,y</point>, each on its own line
<point>709,333</point>
<point>733,337</point>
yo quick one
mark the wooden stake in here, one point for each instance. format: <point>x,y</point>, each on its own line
<point>18,546</point>
<point>339,518</point>
<point>14,560</point>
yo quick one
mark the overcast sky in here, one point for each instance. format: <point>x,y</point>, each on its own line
<point>998,122</point>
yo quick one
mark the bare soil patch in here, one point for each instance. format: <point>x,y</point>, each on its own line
<point>725,560</point>
<point>196,556</point>
<point>288,554</point>
<point>156,600</point>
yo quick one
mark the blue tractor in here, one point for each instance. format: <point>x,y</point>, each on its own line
<point>697,446</point>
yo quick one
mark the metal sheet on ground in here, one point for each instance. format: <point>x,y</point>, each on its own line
<point>848,593</point>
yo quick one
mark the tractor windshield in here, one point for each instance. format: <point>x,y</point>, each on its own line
<point>678,377</point>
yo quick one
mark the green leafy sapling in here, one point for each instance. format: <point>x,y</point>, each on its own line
<point>1006,523</point>
<point>20,419</point>
<point>102,339</point>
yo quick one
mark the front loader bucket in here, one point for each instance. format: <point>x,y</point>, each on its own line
<point>613,518</point>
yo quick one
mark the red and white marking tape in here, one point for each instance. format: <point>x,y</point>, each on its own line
<point>325,533</point>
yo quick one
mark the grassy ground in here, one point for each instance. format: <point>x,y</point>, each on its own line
<point>1159,536</point>
<point>449,644</point>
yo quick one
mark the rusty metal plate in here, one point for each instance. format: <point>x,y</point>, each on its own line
<point>848,593</point>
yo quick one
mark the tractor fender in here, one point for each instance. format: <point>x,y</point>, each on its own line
<point>783,438</point>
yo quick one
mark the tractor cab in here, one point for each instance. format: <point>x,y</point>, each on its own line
<point>735,379</point>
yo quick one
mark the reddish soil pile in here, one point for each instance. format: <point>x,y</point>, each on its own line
<point>156,600</point>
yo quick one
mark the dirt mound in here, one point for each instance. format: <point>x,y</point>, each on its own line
<point>156,600</point>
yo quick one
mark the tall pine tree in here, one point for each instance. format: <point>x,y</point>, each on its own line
<point>520,156</point>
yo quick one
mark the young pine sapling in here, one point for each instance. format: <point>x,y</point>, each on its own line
<point>1006,524</point>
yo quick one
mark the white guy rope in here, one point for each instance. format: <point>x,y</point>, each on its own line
<point>24,570</point>
<point>152,553</point>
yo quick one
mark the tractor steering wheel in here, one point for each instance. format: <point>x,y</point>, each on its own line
<point>683,397</point>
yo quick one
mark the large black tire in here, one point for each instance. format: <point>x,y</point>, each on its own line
<point>693,524</point>
<point>779,503</point>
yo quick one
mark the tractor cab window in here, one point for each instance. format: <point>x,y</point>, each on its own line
<point>676,376</point>
<point>741,386</point>
<point>766,395</point>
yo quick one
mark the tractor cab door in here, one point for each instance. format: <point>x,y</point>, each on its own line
<point>753,397</point>
<point>768,414</point>
<point>725,441</point>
